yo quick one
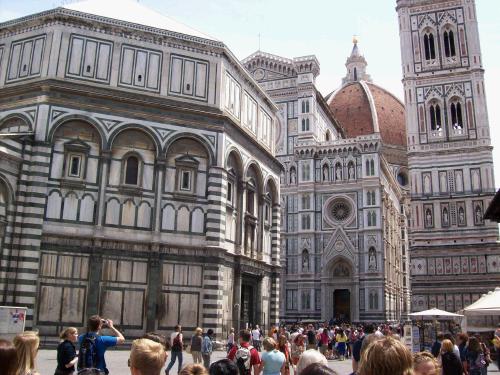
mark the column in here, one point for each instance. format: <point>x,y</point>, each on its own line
<point>275,234</point>
<point>216,220</point>
<point>241,207</point>
<point>103,182</point>
<point>154,285</point>
<point>237,298</point>
<point>95,270</point>
<point>160,172</point>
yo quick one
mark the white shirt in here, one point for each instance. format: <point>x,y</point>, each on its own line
<point>173,335</point>
<point>256,334</point>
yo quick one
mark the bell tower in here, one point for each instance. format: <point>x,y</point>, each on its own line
<point>449,154</point>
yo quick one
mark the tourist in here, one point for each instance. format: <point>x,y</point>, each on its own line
<point>256,337</point>
<point>386,356</point>
<point>297,347</point>
<point>436,346</point>
<point>93,345</point>
<point>8,358</point>
<point>243,351</point>
<point>308,357</point>
<point>230,340</point>
<point>474,357</point>
<point>26,345</point>
<point>456,349</point>
<point>223,367</point>
<point>66,352</point>
<point>147,357</point>
<point>196,341</point>
<point>272,361</point>
<point>318,369</point>
<point>207,348</point>
<point>487,354</point>
<point>283,347</point>
<point>424,363</point>
<point>176,346</point>
<point>323,341</point>
<point>311,337</point>
<point>450,363</point>
<point>341,340</point>
<point>194,369</point>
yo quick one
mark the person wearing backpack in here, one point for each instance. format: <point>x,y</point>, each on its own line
<point>176,346</point>
<point>93,346</point>
<point>245,355</point>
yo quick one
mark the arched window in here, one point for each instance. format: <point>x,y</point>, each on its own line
<point>355,74</point>
<point>367,165</point>
<point>132,170</point>
<point>449,43</point>
<point>327,135</point>
<point>307,106</point>
<point>305,124</point>
<point>429,46</point>
<point>456,115</point>
<point>303,106</point>
<point>372,167</point>
<point>435,116</point>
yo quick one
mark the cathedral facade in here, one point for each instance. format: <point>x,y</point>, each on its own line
<point>137,174</point>
<point>449,155</point>
<point>343,192</point>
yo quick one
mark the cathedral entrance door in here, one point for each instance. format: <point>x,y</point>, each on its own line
<point>247,305</point>
<point>342,304</point>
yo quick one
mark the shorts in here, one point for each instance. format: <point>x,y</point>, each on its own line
<point>323,349</point>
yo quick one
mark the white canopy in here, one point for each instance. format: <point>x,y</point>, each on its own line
<point>488,304</point>
<point>434,314</point>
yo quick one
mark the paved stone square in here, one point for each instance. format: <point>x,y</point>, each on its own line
<point>117,362</point>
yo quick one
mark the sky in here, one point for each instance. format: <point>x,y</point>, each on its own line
<point>324,28</point>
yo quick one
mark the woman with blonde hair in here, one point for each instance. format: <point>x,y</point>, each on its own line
<point>449,360</point>
<point>146,357</point>
<point>26,344</point>
<point>196,341</point>
<point>273,361</point>
<point>424,363</point>
<point>386,357</point>
<point>66,352</point>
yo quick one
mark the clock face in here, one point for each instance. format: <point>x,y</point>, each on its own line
<point>258,74</point>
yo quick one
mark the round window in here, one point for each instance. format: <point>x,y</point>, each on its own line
<point>339,210</point>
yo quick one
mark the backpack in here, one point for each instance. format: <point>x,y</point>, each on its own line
<point>243,359</point>
<point>176,344</point>
<point>87,355</point>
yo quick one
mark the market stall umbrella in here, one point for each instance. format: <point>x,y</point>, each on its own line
<point>487,305</point>
<point>431,315</point>
<point>434,314</point>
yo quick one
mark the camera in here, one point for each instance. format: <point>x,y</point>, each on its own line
<point>105,323</point>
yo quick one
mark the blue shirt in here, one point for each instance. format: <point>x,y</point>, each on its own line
<point>102,344</point>
<point>273,361</point>
<point>206,345</point>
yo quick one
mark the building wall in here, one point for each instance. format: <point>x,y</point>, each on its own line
<point>324,173</point>
<point>115,169</point>
<point>450,160</point>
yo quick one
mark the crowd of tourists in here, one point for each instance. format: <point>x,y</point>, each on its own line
<point>299,349</point>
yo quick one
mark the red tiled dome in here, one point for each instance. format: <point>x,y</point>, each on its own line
<point>362,106</point>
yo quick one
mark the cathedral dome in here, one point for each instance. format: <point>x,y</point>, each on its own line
<point>363,108</point>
